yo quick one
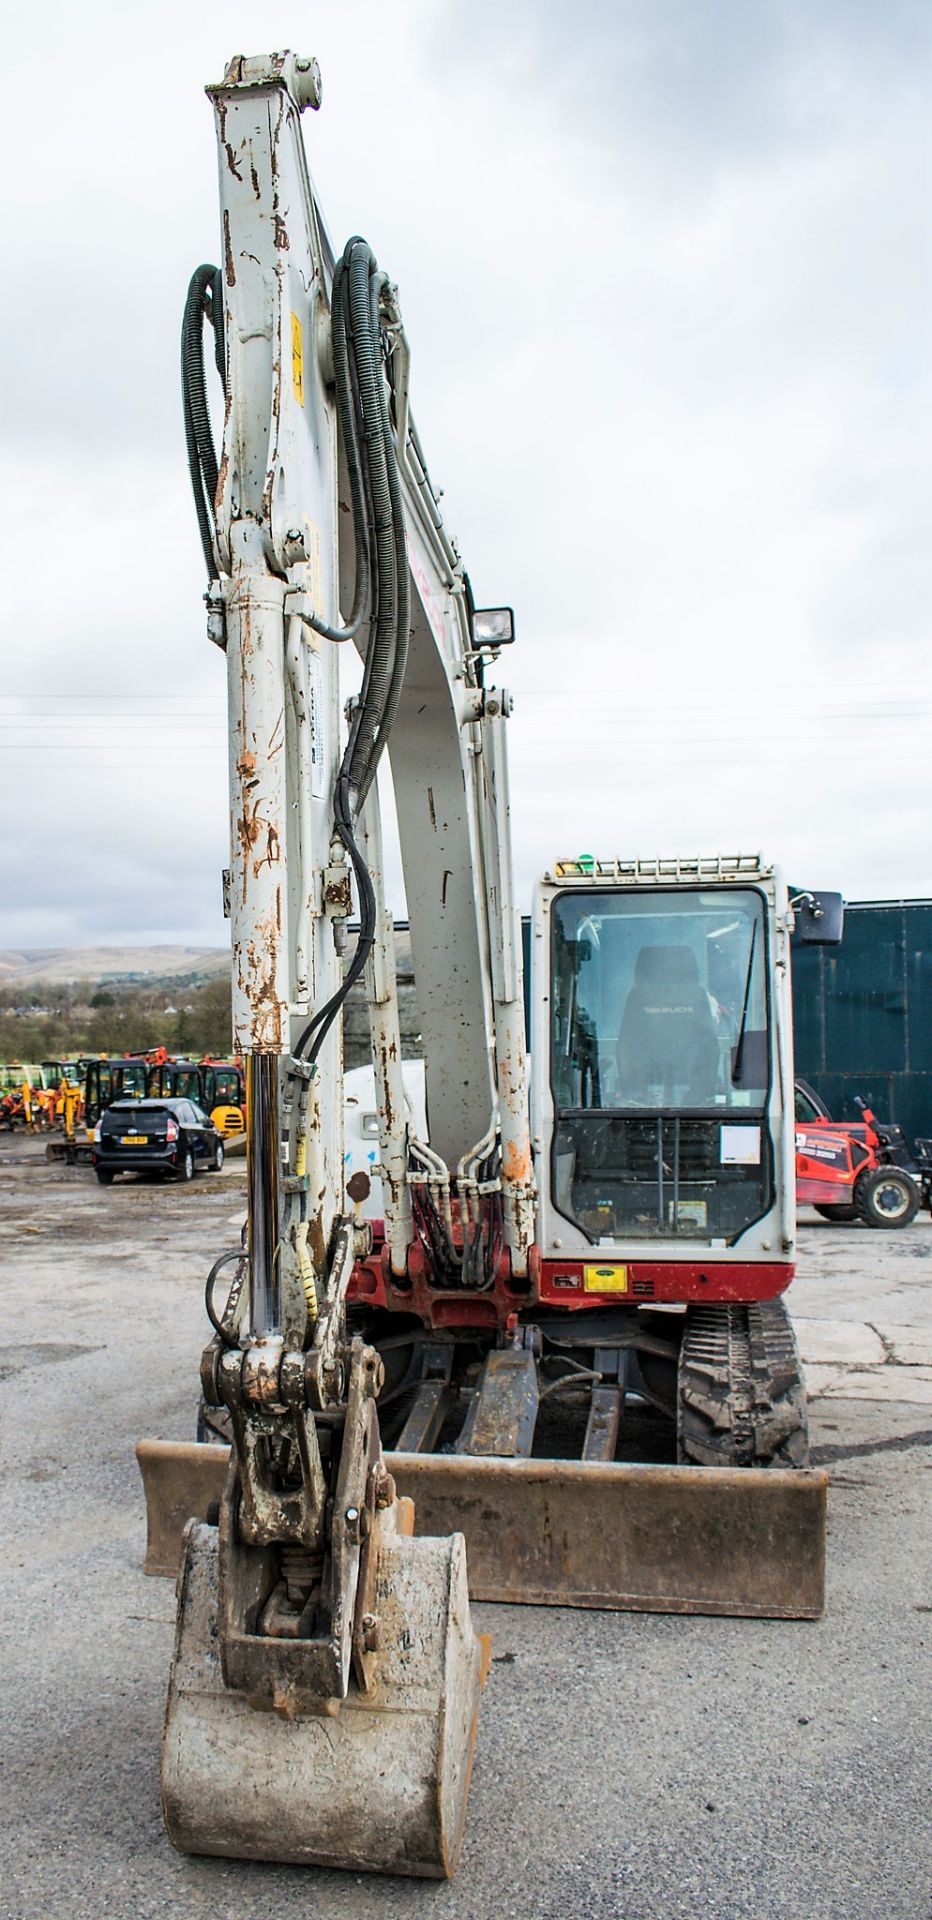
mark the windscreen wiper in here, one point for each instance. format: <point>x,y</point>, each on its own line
<point>739,1048</point>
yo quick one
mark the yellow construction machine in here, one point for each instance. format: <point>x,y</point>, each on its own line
<point>68,1111</point>
<point>542,1257</point>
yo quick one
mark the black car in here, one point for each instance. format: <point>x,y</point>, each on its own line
<point>170,1137</point>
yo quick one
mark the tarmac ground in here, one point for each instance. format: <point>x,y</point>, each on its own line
<point>629,1767</point>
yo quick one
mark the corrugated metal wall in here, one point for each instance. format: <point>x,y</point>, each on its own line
<point>863,1014</point>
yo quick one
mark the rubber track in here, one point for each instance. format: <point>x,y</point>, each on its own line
<point>741,1400</point>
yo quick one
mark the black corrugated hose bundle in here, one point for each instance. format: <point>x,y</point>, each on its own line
<point>204,302</point>
<point>381,594</point>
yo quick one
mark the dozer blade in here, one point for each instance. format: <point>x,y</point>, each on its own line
<point>376,1782</point>
<point>718,1540</point>
<point>182,1480</point>
<point>647,1539</point>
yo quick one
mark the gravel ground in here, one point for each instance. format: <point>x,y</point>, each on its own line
<point>628,1768</point>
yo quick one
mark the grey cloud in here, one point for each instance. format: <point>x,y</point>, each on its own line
<point>662,268</point>
<point>696,86</point>
<point>160,881</point>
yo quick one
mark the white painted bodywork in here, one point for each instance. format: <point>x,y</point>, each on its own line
<point>362,1153</point>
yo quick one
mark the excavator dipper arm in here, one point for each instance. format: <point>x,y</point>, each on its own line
<point>324,1691</point>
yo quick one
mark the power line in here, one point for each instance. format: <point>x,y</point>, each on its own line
<point>603,715</point>
<point>127,694</point>
<point>526,757</point>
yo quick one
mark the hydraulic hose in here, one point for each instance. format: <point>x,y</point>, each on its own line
<point>367,344</point>
<point>378,511</point>
<point>204,302</point>
<point>224,1325</point>
<point>346,411</point>
<point>402,609</point>
<point>381,592</point>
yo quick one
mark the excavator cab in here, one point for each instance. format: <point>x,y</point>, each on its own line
<point>121,1078</point>
<point>225,1096</point>
<point>658,1100</point>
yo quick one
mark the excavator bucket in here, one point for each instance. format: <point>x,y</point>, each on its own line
<point>659,1539</point>
<point>377,1781</point>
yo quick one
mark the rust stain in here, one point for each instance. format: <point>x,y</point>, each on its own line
<point>317,1241</point>
<point>256,980</point>
<point>447,877</point>
<point>231,161</point>
<point>338,895</point>
<point>272,853</point>
<point>388,1053</point>
<point>516,1164</point>
<point>248,828</point>
<point>254,177</point>
<point>252,826</point>
<point>281,235</point>
<point>269,488</point>
<point>431,808</point>
<point>228,250</point>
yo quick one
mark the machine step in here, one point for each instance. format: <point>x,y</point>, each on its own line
<point>503,1413</point>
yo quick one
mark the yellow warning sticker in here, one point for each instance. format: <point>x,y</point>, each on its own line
<point>605,1279</point>
<point>297,359</point>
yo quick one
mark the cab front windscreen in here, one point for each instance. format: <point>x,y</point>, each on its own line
<point>660,1061</point>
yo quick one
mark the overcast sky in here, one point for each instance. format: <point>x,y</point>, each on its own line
<point>665,268</point>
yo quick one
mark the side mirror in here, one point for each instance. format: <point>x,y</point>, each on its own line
<point>820,919</point>
<point>493,627</point>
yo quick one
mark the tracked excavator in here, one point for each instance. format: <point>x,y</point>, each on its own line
<point>551,1255</point>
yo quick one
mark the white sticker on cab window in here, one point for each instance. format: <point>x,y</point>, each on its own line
<point>739,1146</point>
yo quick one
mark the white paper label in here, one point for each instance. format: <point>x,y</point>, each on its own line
<point>740,1147</point>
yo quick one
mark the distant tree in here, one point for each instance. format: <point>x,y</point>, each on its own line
<point>213,1016</point>
<point>54,1023</point>
<point>184,1031</point>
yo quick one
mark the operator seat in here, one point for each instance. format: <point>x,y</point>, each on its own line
<point>668,1038</point>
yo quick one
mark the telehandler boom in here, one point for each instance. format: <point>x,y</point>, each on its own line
<point>544,1258</point>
